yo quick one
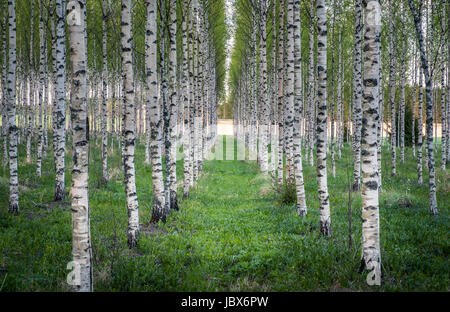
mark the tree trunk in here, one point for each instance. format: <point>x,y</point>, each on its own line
<point>419,134</point>
<point>392,89</point>
<point>187,143</point>
<point>311,101</point>
<point>263,101</point>
<point>429,108</point>
<point>104,112</point>
<point>30,86</point>
<point>402,91</point>
<point>281,52</point>
<point>298,113</point>
<point>81,233</point>
<point>357,91</point>
<point>60,100</point>
<point>11,111</point>
<point>324,203</point>
<point>129,125</point>
<point>171,126</point>
<point>41,85</point>
<point>371,258</point>
<point>158,209</point>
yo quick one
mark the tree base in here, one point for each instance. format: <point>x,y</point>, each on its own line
<point>325,228</point>
<point>302,211</point>
<point>14,208</point>
<point>60,194</point>
<point>133,236</point>
<point>174,201</point>
<point>158,212</point>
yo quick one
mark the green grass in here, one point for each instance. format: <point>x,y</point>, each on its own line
<point>229,235</point>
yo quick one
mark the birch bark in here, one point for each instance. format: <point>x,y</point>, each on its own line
<point>324,203</point>
<point>129,125</point>
<point>81,234</point>
<point>371,256</point>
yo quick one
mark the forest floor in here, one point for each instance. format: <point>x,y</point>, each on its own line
<point>231,234</point>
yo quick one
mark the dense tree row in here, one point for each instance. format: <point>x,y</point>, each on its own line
<point>150,70</point>
<point>337,71</point>
<point>306,77</point>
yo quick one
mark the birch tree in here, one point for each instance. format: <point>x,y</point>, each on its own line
<point>60,96</point>
<point>281,54</point>
<point>324,200</point>
<point>357,91</point>
<point>429,107</point>
<point>5,127</point>
<point>263,130</point>
<point>129,125</point>
<point>40,144</point>
<point>371,256</point>
<point>154,109</point>
<point>30,86</point>
<point>298,113</point>
<point>187,143</point>
<point>11,109</point>
<point>171,126</point>
<point>392,89</point>
<point>104,112</point>
<point>81,233</point>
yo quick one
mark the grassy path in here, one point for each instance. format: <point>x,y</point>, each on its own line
<point>230,234</point>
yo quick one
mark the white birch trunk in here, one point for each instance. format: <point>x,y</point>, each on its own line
<point>158,208</point>
<point>81,234</point>
<point>60,100</point>
<point>324,201</point>
<point>371,258</point>
<point>129,125</point>
<point>298,115</point>
<point>11,110</point>
<point>429,110</point>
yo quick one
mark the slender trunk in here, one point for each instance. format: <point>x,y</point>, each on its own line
<point>30,86</point>
<point>311,101</point>
<point>429,108</point>
<point>129,124</point>
<point>419,134</point>
<point>414,100</point>
<point>357,92</point>
<point>298,113</point>
<point>443,103</point>
<point>281,52</point>
<point>41,89</point>
<point>402,91</point>
<point>81,233</point>
<point>5,127</point>
<point>263,129</point>
<point>187,143</point>
<point>11,111</point>
<point>392,90</point>
<point>171,126</point>
<point>104,112</point>
<point>153,101</point>
<point>324,202</point>
<point>371,255</point>
<point>60,100</point>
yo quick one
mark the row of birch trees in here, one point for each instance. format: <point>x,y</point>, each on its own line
<point>123,72</point>
<point>309,75</point>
